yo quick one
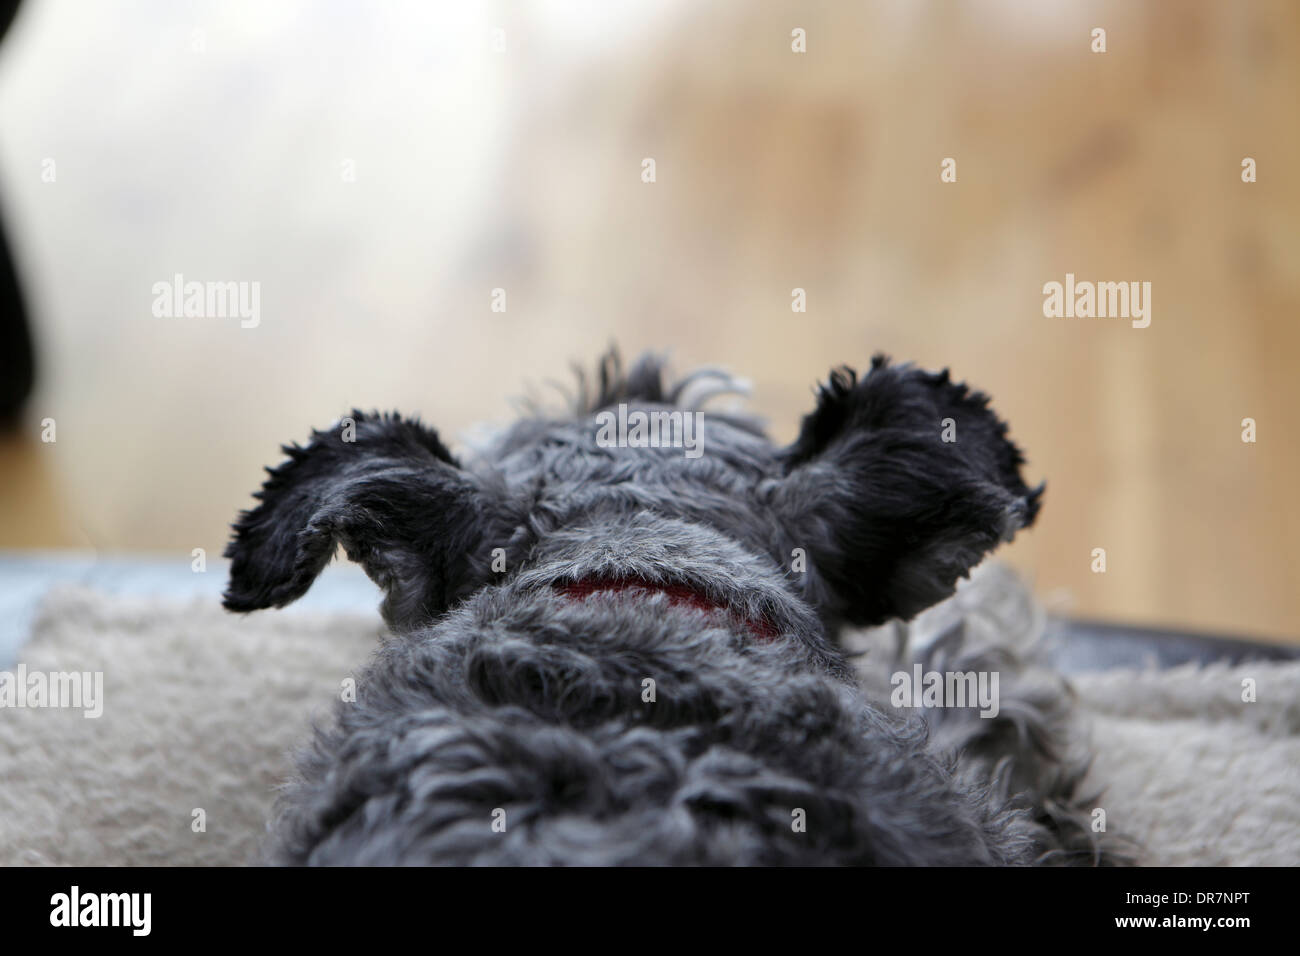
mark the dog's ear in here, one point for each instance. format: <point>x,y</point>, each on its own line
<point>390,493</point>
<point>898,484</point>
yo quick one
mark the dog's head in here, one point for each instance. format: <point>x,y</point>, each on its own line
<point>898,483</point>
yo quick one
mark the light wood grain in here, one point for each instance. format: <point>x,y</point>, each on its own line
<point>775,170</point>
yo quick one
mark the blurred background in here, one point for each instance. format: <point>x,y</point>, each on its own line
<point>380,168</point>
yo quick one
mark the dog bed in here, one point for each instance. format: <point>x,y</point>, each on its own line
<point>201,707</point>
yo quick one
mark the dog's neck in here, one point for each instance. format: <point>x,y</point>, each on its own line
<point>760,628</point>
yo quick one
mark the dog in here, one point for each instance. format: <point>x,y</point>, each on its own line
<point>610,652</point>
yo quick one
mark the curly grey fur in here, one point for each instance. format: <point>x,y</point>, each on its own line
<point>1034,752</point>
<point>500,698</point>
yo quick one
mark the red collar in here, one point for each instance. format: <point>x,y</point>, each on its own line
<point>761,628</point>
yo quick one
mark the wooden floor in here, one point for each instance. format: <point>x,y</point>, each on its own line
<point>477,169</point>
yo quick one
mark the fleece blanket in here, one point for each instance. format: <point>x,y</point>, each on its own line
<point>199,710</point>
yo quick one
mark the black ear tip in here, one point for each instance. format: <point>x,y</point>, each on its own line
<point>1022,512</point>
<point>232,600</point>
<point>1018,513</point>
<point>237,596</point>
<point>1033,502</point>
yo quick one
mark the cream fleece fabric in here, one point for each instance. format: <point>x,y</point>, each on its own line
<point>1195,773</point>
<point>201,707</point>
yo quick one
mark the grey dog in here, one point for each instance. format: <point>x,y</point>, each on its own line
<point>615,652</point>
